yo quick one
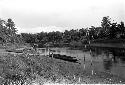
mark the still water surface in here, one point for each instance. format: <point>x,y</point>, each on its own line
<point>110,60</point>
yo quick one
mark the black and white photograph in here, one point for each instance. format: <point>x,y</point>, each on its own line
<point>62,42</point>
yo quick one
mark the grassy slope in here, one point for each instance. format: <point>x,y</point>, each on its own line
<point>43,69</point>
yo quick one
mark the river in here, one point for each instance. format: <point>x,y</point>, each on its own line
<point>110,60</point>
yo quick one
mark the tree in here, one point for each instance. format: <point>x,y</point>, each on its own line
<point>66,37</point>
<point>106,23</point>
<point>12,30</point>
<point>113,31</point>
<point>121,30</point>
<point>11,26</point>
<point>3,30</point>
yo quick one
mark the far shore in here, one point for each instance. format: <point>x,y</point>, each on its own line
<point>100,45</point>
<point>109,45</point>
<point>113,43</point>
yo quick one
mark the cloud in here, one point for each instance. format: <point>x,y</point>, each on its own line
<point>29,15</point>
<point>44,29</point>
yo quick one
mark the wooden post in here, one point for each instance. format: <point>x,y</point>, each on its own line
<point>92,72</point>
<point>84,65</point>
<point>85,46</point>
<point>79,79</point>
<point>52,55</point>
<point>49,52</point>
<point>84,61</point>
<point>84,58</point>
<point>74,76</point>
<point>91,62</point>
<point>45,51</point>
<point>92,67</point>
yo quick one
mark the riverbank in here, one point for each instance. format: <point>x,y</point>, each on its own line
<point>109,45</point>
<point>112,43</point>
<point>100,45</point>
<point>28,66</point>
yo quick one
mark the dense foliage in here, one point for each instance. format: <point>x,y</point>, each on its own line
<point>108,30</point>
<point>8,32</point>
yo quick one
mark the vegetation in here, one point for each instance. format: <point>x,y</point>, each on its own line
<point>21,65</point>
<point>108,30</point>
<point>75,37</point>
<point>8,32</point>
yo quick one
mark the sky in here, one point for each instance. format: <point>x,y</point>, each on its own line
<point>33,16</point>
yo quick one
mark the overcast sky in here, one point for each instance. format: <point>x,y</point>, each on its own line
<point>58,15</point>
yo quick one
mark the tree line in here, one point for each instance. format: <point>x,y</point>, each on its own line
<point>107,30</point>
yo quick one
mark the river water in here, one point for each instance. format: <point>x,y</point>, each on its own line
<point>110,60</point>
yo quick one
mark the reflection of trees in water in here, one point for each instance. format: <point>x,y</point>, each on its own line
<point>105,55</point>
<point>96,51</point>
<point>122,60</point>
<point>116,52</point>
<point>108,60</point>
<point>110,56</point>
<point>107,64</point>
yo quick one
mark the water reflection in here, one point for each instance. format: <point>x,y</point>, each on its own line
<point>111,54</point>
<point>122,60</point>
<point>113,59</point>
<point>107,65</point>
